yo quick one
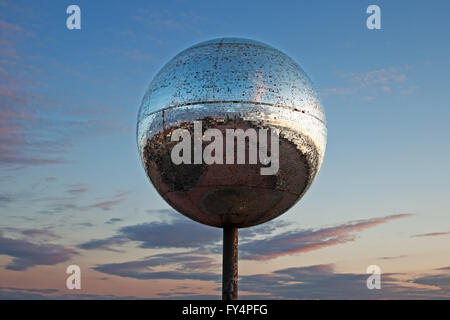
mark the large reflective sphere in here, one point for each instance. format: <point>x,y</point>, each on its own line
<point>228,84</point>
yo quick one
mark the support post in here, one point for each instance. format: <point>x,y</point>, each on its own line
<point>230,264</point>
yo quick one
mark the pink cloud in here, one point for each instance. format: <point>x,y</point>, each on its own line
<point>26,254</point>
<point>309,240</point>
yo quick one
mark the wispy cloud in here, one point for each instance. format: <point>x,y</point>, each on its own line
<point>179,234</point>
<point>374,82</point>
<point>77,190</point>
<point>105,244</point>
<point>175,231</point>
<point>32,234</point>
<point>179,266</point>
<point>165,20</point>
<point>39,233</point>
<point>6,199</point>
<point>301,241</point>
<point>70,203</point>
<point>380,77</point>
<point>105,205</point>
<point>34,128</point>
<point>431,234</point>
<point>27,254</point>
<point>393,257</point>
<point>441,282</point>
<point>22,141</point>
<point>183,233</point>
<point>113,220</point>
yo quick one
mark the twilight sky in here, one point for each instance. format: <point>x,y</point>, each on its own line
<point>72,189</point>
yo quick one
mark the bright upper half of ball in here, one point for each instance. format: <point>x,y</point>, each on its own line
<point>232,69</point>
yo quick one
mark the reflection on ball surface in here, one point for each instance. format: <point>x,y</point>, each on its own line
<point>229,84</point>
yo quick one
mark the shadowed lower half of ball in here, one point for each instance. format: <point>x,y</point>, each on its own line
<point>231,194</point>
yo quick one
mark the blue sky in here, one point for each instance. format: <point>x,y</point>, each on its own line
<point>69,102</point>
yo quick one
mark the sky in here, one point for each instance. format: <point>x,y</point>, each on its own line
<point>73,191</point>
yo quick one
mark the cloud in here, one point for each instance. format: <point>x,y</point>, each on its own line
<point>177,234</point>
<point>113,220</point>
<point>188,295</point>
<point>262,229</point>
<point>105,244</point>
<point>323,282</point>
<point>373,82</point>
<point>68,203</point>
<point>294,242</point>
<point>85,224</point>
<point>340,91</point>
<point>8,293</point>
<point>39,233</point>
<point>34,128</point>
<point>6,199</point>
<point>28,290</point>
<point>26,254</point>
<point>432,234</point>
<point>319,281</point>
<point>180,232</point>
<point>8,31</point>
<point>444,269</point>
<point>77,190</point>
<point>440,281</point>
<point>182,266</point>
<point>382,77</point>
<point>22,141</point>
<point>165,20</point>
<point>306,282</point>
<point>169,212</point>
<point>33,233</point>
<point>105,205</point>
<point>108,204</point>
<point>393,258</point>
<point>197,264</point>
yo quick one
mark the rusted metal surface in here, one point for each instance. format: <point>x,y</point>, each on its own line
<point>232,83</point>
<point>230,264</point>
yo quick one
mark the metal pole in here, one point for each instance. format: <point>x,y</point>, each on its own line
<point>230,264</point>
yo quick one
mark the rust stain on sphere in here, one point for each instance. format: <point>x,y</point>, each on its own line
<point>232,83</point>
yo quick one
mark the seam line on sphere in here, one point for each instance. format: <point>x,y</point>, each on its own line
<point>238,102</point>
